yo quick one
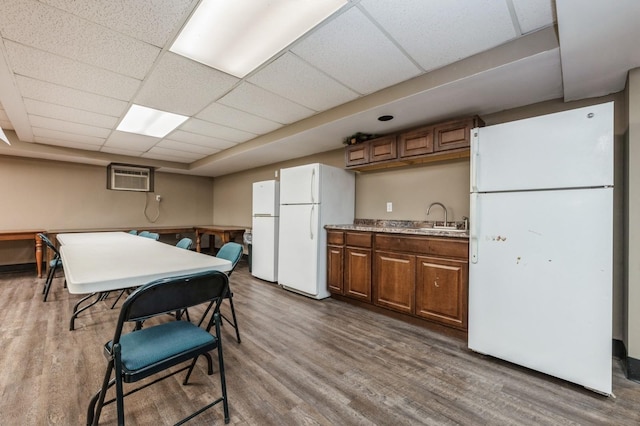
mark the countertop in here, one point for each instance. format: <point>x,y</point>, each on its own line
<point>402,227</point>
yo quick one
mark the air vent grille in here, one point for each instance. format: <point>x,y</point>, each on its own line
<point>123,177</point>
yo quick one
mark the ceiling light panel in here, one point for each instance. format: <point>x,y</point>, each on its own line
<point>236,36</point>
<point>149,121</point>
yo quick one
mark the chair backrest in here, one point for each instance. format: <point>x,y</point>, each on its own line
<point>152,235</point>
<point>185,243</point>
<point>47,242</point>
<point>133,232</point>
<point>173,294</point>
<point>231,252</point>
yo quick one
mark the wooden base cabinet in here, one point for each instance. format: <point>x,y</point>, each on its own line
<point>419,276</point>
<point>441,290</point>
<point>395,281</point>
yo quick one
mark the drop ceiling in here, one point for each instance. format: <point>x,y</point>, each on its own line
<point>70,69</point>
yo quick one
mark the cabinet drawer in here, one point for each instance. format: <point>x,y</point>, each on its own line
<point>416,142</point>
<point>423,245</point>
<point>335,238</point>
<point>382,149</point>
<point>359,239</point>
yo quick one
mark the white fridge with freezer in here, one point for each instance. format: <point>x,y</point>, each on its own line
<point>264,230</point>
<point>311,196</point>
<point>541,244</point>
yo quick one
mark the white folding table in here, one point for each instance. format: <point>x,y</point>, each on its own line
<point>96,263</point>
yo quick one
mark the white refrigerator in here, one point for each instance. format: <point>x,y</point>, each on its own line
<point>541,244</point>
<point>311,196</point>
<point>264,230</point>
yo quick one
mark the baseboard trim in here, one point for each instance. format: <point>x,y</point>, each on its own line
<point>22,267</point>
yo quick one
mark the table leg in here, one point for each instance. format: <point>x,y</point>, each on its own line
<point>198,241</point>
<point>100,296</point>
<point>38,255</point>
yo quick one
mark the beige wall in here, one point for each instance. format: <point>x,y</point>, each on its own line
<point>632,278</point>
<point>54,195</point>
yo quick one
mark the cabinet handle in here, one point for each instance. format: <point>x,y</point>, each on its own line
<point>435,283</point>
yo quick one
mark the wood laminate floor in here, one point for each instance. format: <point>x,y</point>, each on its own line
<point>301,362</point>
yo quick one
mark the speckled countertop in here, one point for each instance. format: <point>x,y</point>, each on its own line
<point>402,227</point>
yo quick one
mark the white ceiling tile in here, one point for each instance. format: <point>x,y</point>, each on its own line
<point>45,109</point>
<point>32,23</point>
<point>131,141</point>
<point>296,80</point>
<point>66,72</point>
<point>206,128</point>
<point>186,147</point>
<point>534,14</point>
<point>260,102</point>
<point>439,32</point>
<point>183,86</point>
<point>121,151</point>
<point>222,114</point>
<point>151,21</point>
<point>68,127</point>
<point>165,157</point>
<point>66,143</point>
<point>187,137</point>
<point>55,94</point>
<point>65,136</point>
<point>355,52</point>
<point>177,154</point>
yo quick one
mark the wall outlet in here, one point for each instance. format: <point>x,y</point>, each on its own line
<point>389,207</point>
<point>158,198</point>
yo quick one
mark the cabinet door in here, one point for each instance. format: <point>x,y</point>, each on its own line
<point>416,142</point>
<point>356,155</point>
<point>383,149</point>
<point>441,290</point>
<point>335,257</point>
<point>395,281</point>
<point>357,273</point>
<point>452,135</point>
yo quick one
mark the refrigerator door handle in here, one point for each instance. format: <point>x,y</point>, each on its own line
<point>475,159</point>
<point>473,229</point>
<point>311,221</point>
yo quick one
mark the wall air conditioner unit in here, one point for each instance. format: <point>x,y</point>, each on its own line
<point>126,177</point>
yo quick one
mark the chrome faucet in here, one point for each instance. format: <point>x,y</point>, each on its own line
<point>443,208</point>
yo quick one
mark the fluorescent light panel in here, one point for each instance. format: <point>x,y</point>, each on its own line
<point>236,36</point>
<point>149,121</point>
<point>4,137</point>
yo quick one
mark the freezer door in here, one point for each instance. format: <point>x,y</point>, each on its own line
<point>299,249</point>
<point>300,185</point>
<point>540,282</point>
<point>266,198</point>
<point>264,248</point>
<point>569,149</point>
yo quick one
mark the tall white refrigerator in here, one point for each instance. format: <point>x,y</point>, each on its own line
<point>541,244</point>
<point>311,196</point>
<point>264,230</point>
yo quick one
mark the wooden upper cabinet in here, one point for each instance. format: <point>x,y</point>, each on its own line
<point>382,149</point>
<point>416,142</point>
<point>355,155</point>
<point>454,134</point>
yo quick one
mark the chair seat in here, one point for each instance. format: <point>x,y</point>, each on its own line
<point>143,349</point>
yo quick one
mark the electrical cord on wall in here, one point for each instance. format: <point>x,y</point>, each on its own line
<point>146,206</point>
